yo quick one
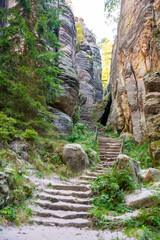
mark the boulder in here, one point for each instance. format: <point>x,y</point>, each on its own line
<point>75,157</point>
<point>62,122</point>
<point>20,147</point>
<point>92,156</point>
<point>151,175</point>
<point>125,162</point>
<point>142,198</point>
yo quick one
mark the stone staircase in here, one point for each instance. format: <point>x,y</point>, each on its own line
<point>109,150</point>
<point>66,203</point>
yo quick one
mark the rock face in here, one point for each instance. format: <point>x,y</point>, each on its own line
<point>62,122</point>
<point>67,37</point>
<point>88,64</point>
<point>135,89</point>
<point>75,157</point>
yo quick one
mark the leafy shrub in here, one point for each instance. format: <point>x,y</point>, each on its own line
<point>109,190</point>
<point>8,129</point>
<point>30,134</point>
<point>139,153</point>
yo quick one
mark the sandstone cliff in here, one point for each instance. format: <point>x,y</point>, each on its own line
<point>88,64</point>
<point>135,73</point>
<point>64,108</point>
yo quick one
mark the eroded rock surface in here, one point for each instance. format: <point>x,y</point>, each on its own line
<point>135,88</point>
<point>142,198</point>
<point>67,37</point>
<point>88,64</point>
<point>75,157</point>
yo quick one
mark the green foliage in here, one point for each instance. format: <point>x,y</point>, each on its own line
<point>109,190</point>
<point>28,63</point>
<point>139,153</point>
<point>9,212</point>
<point>84,136</point>
<point>30,134</point>
<point>110,7</point>
<point>109,133</point>
<point>8,128</point>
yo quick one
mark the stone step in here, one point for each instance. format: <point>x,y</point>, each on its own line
<point>108,164</point>
<point>77,223</point>
<point>41,212</point>
<point>103,157</point>
<point>68,193</point>
<point>92,174</point>
<point>109,153</point>
<point>108,140</point>
<point>64,206</point>
<point>66,199</point>
<point>88,177</point>
<point>69,187</point>
<point>109,150</point>
<point>118,150</point>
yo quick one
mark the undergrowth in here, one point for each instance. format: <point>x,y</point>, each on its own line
<point>109,192</point>
<point>139,153</point>
<point>86,137</point>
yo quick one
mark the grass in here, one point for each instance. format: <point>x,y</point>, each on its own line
<point>139,153</point>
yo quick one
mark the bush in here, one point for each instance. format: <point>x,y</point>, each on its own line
<point>109,190</point>
<point>30,134</point>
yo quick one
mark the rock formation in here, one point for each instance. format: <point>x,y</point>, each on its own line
<point>81,67</point>
<point>135,73</point>
<point>88,64</point>
<point>68,99</point>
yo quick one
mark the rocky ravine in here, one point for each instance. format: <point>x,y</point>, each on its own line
<point>135,73</point>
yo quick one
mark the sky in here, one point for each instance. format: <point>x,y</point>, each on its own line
<point>92,11</point>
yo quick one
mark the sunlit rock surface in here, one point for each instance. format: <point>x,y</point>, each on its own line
<point>88,64</point>
<point>135,90</point>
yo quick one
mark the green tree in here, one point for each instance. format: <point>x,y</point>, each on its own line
<point>112,10</point>
<point>29,59</point>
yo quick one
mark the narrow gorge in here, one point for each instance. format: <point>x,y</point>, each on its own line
<point>79,144</point>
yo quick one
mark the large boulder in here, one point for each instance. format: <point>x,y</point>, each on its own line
<point>151,175</point>
<point>20,147</point>
<point>127,163</point>
<point>142,198</point>
<point>75,157</point>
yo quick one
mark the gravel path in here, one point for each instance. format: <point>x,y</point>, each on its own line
<point>54,233</point>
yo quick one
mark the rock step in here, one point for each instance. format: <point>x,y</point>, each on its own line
<point>88,177</point>
<point>109,142</point>
<point>64,206</point>
<point>109,154</point>
<point>108,164</point>
<point>68,193</point>
<point>103,157</point>
<point>109,139</point>
<point>92,174</point>
<point>81,188</point>
<point>77,223</point>
<point>66,199</point>
<point>109,150</point>
<point>41,212</point>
